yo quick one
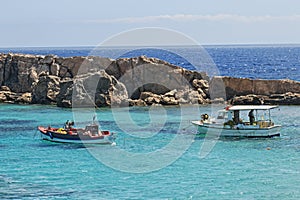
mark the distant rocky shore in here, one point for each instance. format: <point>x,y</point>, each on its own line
<point>140,81</point>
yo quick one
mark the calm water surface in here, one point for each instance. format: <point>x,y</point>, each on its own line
<point>235,169</point>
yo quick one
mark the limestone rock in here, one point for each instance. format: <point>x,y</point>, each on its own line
<point>172,93</point>
<point>97,81</point>
<point>48,59</point>
<point>137,102</point>
<point>194,97</point>
<point>8,97</point>
<point>46,90</point>
<point>245,86</point>
<point>54,69</point>
<point>5,88</point>
<point>288,98</point>
<point>69,66</point>
<point>2,97</point>
<point>19,72</point>
<point>200,84</point>
<point>24,98</point>
<point>64,98</point>
<point>248,100</point>
<point>92,89</point>
<point>166,100</point>
<point>150,98</point>
<point>143,74</point>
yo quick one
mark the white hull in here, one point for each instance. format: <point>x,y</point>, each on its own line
<point>247,131</point>
<point>105,140</point>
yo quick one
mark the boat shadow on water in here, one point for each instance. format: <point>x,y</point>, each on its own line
<point>49,144</point>
<point>236,138</point>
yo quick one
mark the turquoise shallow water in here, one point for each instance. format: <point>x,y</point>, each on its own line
<point>234,169</point>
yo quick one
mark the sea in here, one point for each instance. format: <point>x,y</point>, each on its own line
<point>157,153</point>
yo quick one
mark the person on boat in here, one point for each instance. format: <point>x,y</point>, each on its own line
<point>251,117</point>
<point>204,117</point>
<point>68,124</point>
<point>71,124</point>
<point>236,117</point>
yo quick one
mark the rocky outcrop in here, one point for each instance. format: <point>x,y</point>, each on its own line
<point>288,98</point>
<point>250,91</point>
<point>95,81</point>
<point>83,92</point>
<point>101,81</point>
<point>45,89</point>
<point>144,74</point>
<point>244,86</point>
<point>18,72</point>
<point>248,100</point>
<point>6,96</point>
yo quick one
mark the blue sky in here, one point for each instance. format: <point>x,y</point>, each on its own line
<point>89,22</point>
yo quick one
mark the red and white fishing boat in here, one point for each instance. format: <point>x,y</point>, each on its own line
<point>67,134</point>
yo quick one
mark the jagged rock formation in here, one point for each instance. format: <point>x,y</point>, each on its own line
<point>83,92</point>
<point>96,81</point>
<point>100,81</point>
<point>6,96</point>
<point>45,90</point>
<point>19,72</point>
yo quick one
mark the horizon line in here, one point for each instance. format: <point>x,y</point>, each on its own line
<point>147,46</point>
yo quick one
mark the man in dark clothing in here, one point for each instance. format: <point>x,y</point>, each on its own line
<point>251,117</point>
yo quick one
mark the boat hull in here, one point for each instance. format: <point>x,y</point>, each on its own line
<point>249,132</point>
<point>76,138</point>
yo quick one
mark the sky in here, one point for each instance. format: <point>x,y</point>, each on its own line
<point>44,23</point>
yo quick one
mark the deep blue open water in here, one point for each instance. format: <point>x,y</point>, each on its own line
<point>233,168</point>
<point>250,61</point>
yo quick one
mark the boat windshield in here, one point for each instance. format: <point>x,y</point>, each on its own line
<point>222,114</point>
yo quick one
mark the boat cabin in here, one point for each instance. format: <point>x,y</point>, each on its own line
<point>251,115</point>
<point>92,129</point>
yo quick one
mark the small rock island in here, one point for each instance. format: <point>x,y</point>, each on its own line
<point>140,81</point>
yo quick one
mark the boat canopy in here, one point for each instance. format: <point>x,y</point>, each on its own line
<point>252,107</point>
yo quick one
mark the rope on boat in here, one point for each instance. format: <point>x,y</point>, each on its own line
<point>35,133</point>
<point>184,129</point>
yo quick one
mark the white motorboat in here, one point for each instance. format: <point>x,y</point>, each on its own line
<point>231,122</point>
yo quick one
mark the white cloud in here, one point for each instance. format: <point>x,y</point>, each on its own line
<point>187,18</point>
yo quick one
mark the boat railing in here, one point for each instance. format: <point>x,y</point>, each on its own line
<point>265,123</point>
